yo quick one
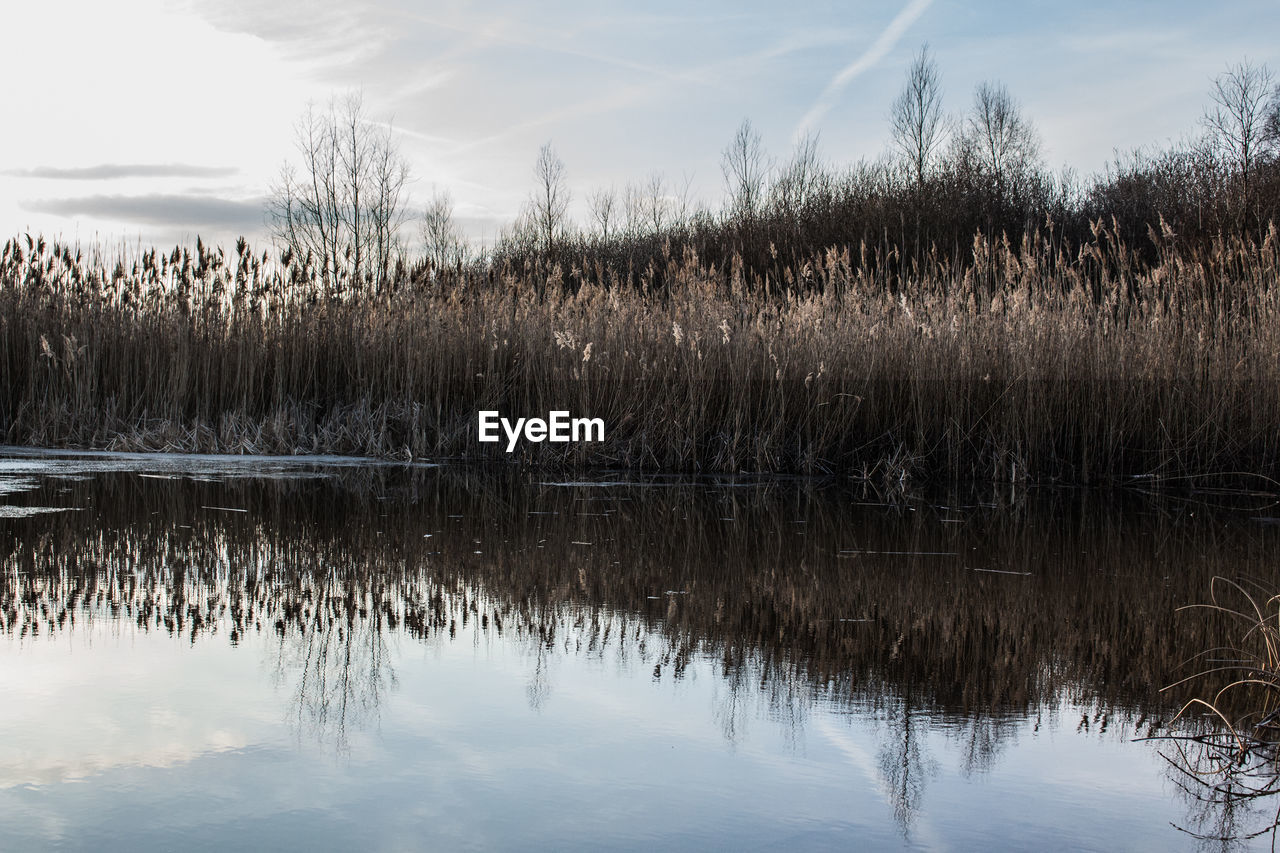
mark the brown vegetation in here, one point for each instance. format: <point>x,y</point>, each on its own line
<point>1026,362</point>
<point>955,313</point>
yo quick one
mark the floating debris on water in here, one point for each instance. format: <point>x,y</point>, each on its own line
<point>27,511</point>
<point>14,485</point>
<point>900,553</point>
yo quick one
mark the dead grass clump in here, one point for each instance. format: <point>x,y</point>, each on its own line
<point>1226,758</point>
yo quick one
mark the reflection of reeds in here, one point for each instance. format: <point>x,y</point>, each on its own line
<point>761,593</point>
<point>1030,362</point>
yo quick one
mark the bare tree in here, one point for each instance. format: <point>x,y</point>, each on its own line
<point>354,155</point>
<point>387,209</point>
<point>916,119</point>
<point>549,203</point>
<point>796,185</point>
<point>301,206</point>
<point>657,203</point>
<point>684,202</point>
<point>603,204</point>
<point>1244,119</point>
<point>441,240</point>
<point>345,204</point>
<point>746,168</point>
<point>520,237</point>
<point>1003,142</point>
<point>633,209</point>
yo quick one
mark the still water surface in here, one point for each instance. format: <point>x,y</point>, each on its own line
<point>204,653</point>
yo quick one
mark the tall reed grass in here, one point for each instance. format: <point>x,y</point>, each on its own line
<point>1030,361</point>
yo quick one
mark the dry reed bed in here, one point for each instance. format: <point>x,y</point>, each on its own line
<point>1028,362</point>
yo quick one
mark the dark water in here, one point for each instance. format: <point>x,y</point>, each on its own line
<point>204,654</point>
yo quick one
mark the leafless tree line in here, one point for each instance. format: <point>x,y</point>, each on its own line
<point>344,202</point>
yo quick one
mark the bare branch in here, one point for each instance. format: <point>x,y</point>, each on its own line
<point>916,119</point>
<point>345,204</point>
<point>549,203</point>
<point>603,205</point>
<point>745,167</point>
<point>1003,142</point>
<point>1244,101</point>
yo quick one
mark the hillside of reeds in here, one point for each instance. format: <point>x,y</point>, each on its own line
<point>1028,361</point>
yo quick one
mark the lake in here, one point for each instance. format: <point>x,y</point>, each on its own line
<point>235,653</point>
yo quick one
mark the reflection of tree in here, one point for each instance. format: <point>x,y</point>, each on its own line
<point>539,687</point>
<point>338,662</point>
<point>982,739</point>
<point>845,610</point>
<point>735,682</point>
<point>904,765</point>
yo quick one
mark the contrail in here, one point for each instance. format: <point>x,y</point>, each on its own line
<point>882,45</point>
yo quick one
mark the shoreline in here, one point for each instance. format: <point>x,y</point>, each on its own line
<point>1226,483</point>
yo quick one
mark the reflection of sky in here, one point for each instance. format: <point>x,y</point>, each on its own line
<point>116,739</point>
<point>115,698</point>
<point>165,118</point>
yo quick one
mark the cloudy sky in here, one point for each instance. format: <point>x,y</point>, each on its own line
<point>155,120</point>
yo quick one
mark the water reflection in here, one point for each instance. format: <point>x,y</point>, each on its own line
<point>974,622</point>
<point>902,765</point>
<point>1229,781</point>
